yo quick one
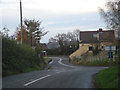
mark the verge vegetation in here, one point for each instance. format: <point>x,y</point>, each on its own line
<point>107,78</point>
<point>101,59</point>
<point>47,60</point>
<point>17,58</point>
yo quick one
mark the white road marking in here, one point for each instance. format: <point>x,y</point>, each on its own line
<point>60,62</point>
<point>36,80</point>
<point>60,71</point>
<point>51,62</point>
<point>57,72</point>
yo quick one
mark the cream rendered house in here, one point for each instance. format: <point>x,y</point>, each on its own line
<point>89,39</point>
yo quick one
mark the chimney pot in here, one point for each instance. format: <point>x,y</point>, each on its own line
<point>100,30</point>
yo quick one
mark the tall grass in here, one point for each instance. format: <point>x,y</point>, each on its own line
<point>99,60</point>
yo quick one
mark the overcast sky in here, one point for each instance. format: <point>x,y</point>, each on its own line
<point>57,16</point>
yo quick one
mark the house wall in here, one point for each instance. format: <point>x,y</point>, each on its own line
<point>101,45</point>
<point>87,45</point>
<point>84,44</point>
<point>88,39</point>
<point>83,49</point>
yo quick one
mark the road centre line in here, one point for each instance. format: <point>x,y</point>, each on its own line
<point>60,62</point>
<point>36,80</point>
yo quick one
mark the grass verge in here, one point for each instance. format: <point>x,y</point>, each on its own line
<point>94,60</point>
<point>107,78</point>
<point>47,59</point>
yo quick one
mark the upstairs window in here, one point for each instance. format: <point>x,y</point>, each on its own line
<point>95,35</point>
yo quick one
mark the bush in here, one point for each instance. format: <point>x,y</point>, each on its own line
<point>17,58</point>
<point>39,52</point>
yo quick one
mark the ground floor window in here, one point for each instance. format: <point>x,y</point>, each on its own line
<point>90,48</point>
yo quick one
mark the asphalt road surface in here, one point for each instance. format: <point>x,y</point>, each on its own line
<point>58,74</point>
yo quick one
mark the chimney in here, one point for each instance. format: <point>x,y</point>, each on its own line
<point>100,30</point>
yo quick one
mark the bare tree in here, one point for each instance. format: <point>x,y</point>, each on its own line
<point>77,34</point>
<point>5,31</point>
<point>112,15</point>
<point>52,40</point>
<point>67,42</point>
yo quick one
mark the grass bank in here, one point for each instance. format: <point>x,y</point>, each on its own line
<point>94,60</point>
<point>107,78</point>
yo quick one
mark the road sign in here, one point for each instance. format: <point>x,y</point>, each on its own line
<point>107,48</point>
<point>113,48</point>
<point>110,48</point>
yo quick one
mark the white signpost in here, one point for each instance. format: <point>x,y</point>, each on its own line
<point>110,48</point>
<point>113,48</point>
<point>107,48</point>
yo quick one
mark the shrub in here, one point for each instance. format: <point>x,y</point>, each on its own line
<point>18,58</point>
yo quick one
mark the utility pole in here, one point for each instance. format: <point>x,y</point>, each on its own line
<point>21,21</point>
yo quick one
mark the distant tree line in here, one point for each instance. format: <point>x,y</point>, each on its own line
<point>68,43</point>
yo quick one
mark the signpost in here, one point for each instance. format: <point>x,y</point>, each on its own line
<point>107,48</point>
<point>110,50</point>
<point>110,54</point>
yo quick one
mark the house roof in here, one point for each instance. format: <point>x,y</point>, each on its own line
<point>92,36</point>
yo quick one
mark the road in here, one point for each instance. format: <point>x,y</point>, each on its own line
<point>61,74</point>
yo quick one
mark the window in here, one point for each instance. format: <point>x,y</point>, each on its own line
<point>95,35</point>
<point>90,48</point>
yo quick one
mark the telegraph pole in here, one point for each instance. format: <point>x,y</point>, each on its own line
<point>21,21</point>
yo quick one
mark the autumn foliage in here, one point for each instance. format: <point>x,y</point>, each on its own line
<point>24,33</point>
